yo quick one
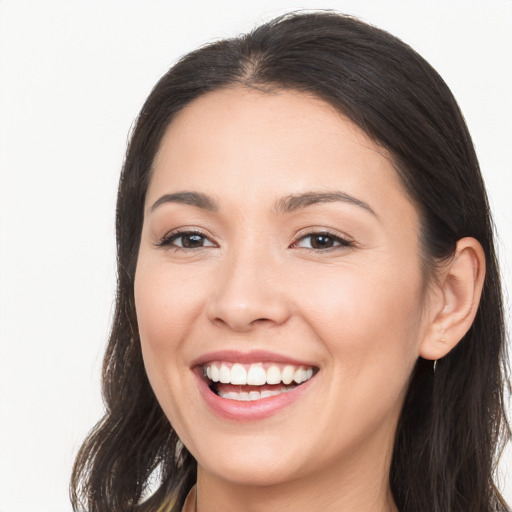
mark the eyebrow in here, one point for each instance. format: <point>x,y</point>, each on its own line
<point>295,202</point>
<point>287,204</point>
<point>191,198</point>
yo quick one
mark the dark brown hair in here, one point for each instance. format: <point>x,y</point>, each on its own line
<point>452,421</point>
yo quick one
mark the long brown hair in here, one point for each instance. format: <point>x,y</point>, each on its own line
<point>452,421</point>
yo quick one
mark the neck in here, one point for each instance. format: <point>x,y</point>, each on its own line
<point>360,485</point>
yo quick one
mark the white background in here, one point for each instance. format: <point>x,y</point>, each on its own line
<point>73,75</point>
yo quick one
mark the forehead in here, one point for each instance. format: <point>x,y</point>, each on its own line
<point>240,143</point>
<point>240,114</point>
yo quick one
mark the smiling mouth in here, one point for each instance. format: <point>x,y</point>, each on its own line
<point>250,382</point>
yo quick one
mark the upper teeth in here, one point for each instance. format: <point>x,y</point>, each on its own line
<point>256,374</point>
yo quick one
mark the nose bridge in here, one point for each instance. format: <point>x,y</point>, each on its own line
<point>248,290</point>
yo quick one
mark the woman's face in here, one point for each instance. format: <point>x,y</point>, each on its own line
<point>278,244</point>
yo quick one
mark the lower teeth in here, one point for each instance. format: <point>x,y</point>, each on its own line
<point>249,396</point>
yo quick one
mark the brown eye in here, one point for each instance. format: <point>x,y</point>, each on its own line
<point>186,240</point>
<point>191,241</point>
<point>319,241</point>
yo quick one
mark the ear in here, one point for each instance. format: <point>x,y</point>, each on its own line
<point>454,301</point>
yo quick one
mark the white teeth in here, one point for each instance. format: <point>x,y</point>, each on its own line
<point>254,395</point>
<point>224,374</point>
<point>273,375</point>
<point>244,396</point>
<point>302,375</point>
<point>238,375</point>
<point>256,374</point>
<point>287,375</point>
<point>298,375</point>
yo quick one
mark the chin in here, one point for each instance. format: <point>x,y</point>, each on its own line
<point>251,471</point>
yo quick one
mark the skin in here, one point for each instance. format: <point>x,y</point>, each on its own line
<point>361,313</point>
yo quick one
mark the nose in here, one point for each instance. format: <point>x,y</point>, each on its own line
<point>249,293</point>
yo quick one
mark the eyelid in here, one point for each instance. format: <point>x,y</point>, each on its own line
<point>170,236</point>
<point>343,240</point>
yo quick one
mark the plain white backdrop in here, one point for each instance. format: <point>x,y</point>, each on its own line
<point>73,75</point>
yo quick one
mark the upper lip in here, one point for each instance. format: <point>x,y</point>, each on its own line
<point>253,356</point>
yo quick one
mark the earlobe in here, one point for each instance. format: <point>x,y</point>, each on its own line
<point>457,298</point>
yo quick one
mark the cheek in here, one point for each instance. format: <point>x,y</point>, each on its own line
<point>368,320</point>
<point>165,306</point>
<point>165,310</point>
<point>162,323</point>
<point>371,327</point>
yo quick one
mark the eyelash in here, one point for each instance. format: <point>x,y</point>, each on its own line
<point>167,240</point>
<point>342,243</point>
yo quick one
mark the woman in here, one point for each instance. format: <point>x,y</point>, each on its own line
<point>309,311</point>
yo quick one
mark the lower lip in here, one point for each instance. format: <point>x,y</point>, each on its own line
<point>250,410</point>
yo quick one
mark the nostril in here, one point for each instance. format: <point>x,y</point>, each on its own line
<point>242,305</point>
<point>240,324</point>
